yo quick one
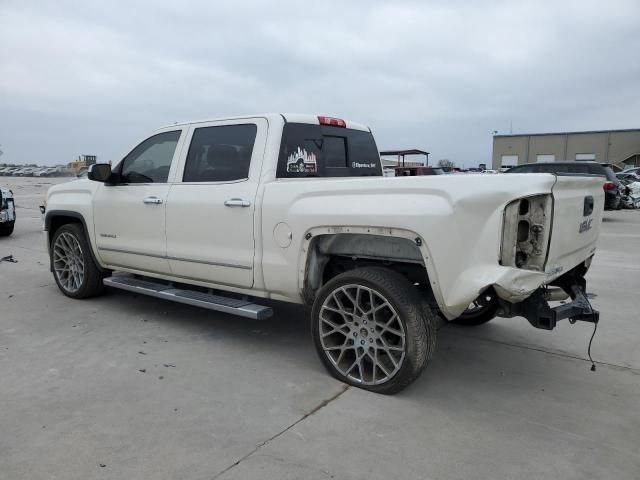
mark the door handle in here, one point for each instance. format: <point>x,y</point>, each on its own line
<point>152,200</point>
<point>237,202</point>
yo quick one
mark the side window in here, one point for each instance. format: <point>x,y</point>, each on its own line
<point>578,168</point>
<point>549,168</point>
<point>150,161</point>
<point>220,154</point>
<point>525,169</point>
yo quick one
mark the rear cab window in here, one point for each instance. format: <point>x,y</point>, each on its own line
<point>309,150</point>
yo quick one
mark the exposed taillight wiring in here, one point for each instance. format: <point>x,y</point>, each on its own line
<point>595,328</point>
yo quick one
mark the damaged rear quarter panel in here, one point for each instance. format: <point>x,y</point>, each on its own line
<point>458,217</point>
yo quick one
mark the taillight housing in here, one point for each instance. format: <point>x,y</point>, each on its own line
<point>334,122</point>
<point>526,232</point>
<point>608,186</point>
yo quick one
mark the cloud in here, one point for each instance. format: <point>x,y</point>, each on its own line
<point>83,77</point>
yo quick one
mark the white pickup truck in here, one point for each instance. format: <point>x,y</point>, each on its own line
<point>223,214</point>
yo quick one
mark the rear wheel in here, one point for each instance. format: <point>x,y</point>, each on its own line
<point>6,229</point>
<point>481,310</point>
<point>371,331</point>
<point>74,269</point>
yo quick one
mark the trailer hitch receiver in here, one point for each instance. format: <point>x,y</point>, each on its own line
<point>540,314</point>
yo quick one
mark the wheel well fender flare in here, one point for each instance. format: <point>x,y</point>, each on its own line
<point>312,261</point>
<point>49,218</point>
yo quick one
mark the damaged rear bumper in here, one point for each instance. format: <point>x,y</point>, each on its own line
<point>540,314</point>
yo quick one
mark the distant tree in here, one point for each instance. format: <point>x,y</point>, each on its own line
<point>445,162</point>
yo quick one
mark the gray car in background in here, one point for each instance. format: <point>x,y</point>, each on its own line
<point>613,189</point>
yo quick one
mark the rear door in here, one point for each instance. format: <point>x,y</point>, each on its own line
<point>211,207</point>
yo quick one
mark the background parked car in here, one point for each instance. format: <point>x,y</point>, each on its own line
<point>418,171</point>
<point>613,189</point>
<point>631,196</point>
<point>7,212</point>
<point>634,170</point>
<point>24,172</point>
<point>629,176</point>
<point>46,172</point>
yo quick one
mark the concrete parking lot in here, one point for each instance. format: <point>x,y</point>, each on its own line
<point>129,387</point>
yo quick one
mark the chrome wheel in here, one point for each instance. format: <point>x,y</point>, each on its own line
<point>361,334</point>
<point>68,262</point>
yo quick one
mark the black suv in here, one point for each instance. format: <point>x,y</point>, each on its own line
<point>613,189</point>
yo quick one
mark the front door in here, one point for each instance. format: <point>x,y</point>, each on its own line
<point>211,206</point>
<point>129,217</point>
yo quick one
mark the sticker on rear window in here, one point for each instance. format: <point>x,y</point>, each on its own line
<point>302,161</point>
<point>362,165</point>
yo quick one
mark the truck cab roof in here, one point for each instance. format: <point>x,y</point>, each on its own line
<point>280,117</point>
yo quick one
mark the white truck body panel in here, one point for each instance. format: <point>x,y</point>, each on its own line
<point>262,249</point>
<point>207,240</point>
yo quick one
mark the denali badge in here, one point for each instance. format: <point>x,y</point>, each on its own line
<point>586,225</point>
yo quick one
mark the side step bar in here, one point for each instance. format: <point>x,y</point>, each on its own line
<point>234,306</point>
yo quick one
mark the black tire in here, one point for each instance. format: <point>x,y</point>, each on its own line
<point>417,322</point>
<point>6,229</point>
<point>91,284</point>
<point>485,312</point>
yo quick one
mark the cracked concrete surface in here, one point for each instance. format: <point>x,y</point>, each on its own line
<point>249,399</point>
<point>322,404</point>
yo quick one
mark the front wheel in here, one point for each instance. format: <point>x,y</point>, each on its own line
<point>6,229</point>
<point>371,331</point>
<point>74,269</point>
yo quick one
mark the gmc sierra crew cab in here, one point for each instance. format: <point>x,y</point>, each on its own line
<point>223,214</point>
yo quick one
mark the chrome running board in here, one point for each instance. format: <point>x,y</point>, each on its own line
<point>219,303</point>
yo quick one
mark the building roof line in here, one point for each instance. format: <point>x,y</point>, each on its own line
<point>566,133</point>
<point>410,151</point>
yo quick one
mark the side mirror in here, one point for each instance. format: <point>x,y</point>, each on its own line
<point>99,172</point>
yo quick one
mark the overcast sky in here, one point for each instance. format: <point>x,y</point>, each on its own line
<point>84,77</point>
